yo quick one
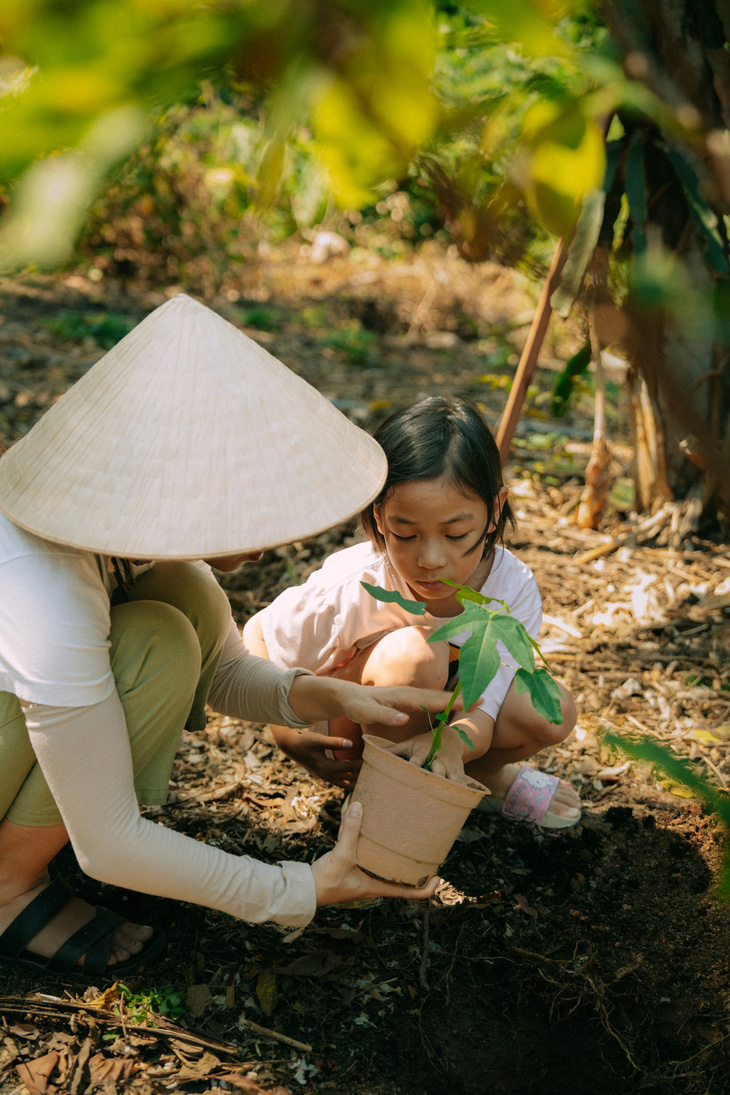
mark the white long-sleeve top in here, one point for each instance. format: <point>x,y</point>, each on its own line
<point>54,656</point>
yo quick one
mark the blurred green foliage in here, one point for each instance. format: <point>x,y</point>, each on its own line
<point>686,775</point>
<point>260,316</point>
<point>333,100</point>
<point>183,206</point>
<point>576,366</point>
<point>106,328</point>
<point>358,345</point>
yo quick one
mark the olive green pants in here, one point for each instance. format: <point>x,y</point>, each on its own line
<point>166,640</point>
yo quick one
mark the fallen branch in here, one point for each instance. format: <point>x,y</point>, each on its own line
<point>265,1032</point>
<point>203,795</point>
<point>650,524</point>
<point>59,1009</point>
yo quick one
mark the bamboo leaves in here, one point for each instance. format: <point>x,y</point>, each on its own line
<point>681,771</point>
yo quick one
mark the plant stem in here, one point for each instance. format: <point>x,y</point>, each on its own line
<point>438,728</point>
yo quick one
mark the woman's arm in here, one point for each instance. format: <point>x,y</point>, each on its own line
<point>319,699</point>
<point>242,678</point>
<point>311,749</point>
<point>85,756</point>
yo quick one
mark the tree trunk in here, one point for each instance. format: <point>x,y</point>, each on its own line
<point>679,382</point>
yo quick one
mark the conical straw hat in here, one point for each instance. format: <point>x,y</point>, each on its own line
<point>188,440</point>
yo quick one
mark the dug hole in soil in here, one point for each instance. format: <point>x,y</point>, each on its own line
<point>589,960</point>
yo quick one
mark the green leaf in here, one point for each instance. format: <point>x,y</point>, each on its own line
<point>466,593</point>
<point>514,636</point>
<point>392,596</point>
<point>479,658</point>
<point>544,693</point>
<point>470,618</point>
<point>563,389</point>
<point>677,768</point>
<point>464,736</point>
<point>567,161</point>
<point>580,252</point>
<point>478,664</point>
<point>682,772</point>
<point>528,24</point>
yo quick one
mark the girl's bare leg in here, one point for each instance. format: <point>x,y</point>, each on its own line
<point>25,852</point>
<point>519,733</point>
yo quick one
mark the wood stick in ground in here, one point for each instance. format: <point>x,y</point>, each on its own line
<point>528,361</point>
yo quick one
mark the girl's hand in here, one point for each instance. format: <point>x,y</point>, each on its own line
<point>309,749</point>
<point>338,879</point>
<point>448,763</point>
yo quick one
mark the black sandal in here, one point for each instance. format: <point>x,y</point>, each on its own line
<point>93,940</point>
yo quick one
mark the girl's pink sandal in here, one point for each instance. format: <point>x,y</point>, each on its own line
<point>529,799</point>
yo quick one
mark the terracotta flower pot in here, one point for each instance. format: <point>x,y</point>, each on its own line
<point>411,817</point>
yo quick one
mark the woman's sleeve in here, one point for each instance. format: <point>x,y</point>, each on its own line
<point>251,688</point>
<point>54,628</point>
<point>86,759</point>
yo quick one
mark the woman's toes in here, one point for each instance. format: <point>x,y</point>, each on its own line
<point>135,936</point>
<point>129,940</point>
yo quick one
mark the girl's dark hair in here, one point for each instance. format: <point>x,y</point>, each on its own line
<point>438,436</point>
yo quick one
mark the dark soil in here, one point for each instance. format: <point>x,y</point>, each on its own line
<point>591,960</point>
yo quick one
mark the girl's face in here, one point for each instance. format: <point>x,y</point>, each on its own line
<point>433,531</point>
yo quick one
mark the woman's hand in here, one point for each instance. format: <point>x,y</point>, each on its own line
<point>318,698</point>
<point>338,879</point>
<point>309,749</point>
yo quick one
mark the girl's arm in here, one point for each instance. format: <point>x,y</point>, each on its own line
<point>253,637</point>
<point>312,749</point>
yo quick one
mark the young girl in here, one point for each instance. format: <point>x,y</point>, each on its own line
<point>440,515</point>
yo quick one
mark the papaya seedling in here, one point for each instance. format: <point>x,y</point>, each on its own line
<point>479,657</point>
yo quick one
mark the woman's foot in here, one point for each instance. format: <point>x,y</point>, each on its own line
<point>553,799</point>
<point>128,939</point>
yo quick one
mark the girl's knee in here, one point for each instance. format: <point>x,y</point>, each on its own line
<point>518,717</point>
<point>405,656</point>
<point>553,733</point>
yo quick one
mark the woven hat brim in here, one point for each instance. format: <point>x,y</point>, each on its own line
<point>188,440</point>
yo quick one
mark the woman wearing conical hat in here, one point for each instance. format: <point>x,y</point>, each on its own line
<point>186,442</point>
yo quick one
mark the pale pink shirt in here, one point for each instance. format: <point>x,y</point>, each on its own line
<point>320,625</point>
